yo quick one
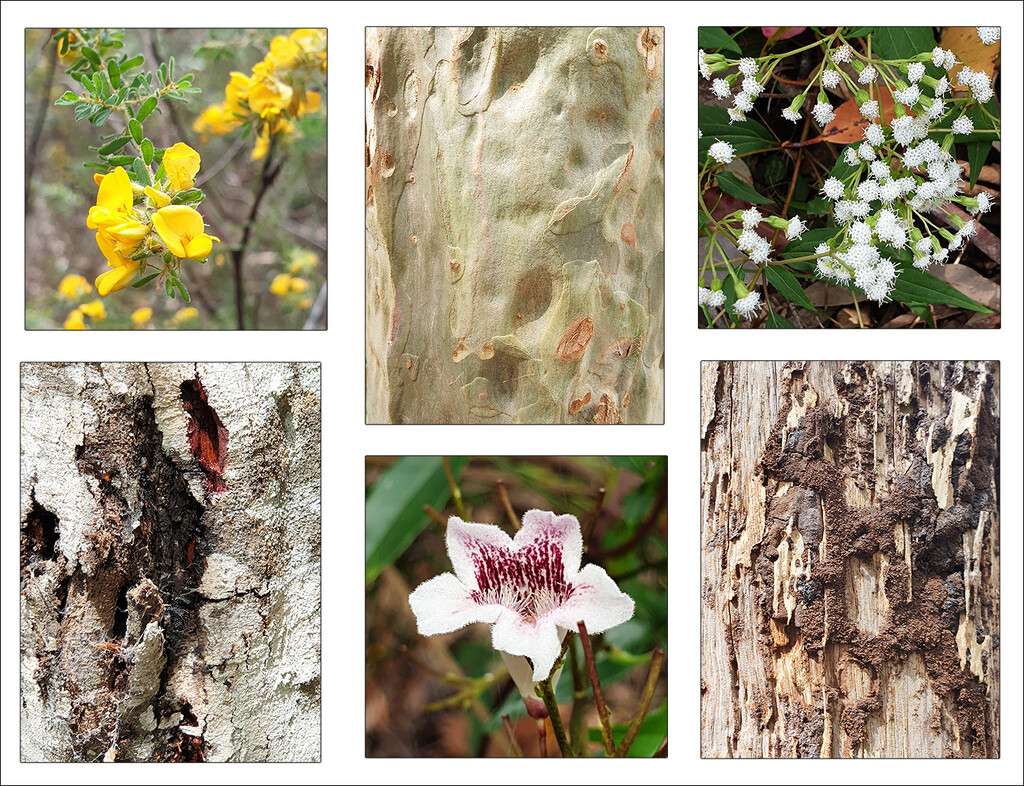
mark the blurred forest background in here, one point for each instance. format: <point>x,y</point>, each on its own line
<point>291,227</point>
<point>444,696</point>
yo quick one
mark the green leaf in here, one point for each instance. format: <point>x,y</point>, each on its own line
<point>192,196</point>
<point>143,281</point>
<point>101,116</point>
<point>923,312</point>
<point>147,151</point>
<point>653,731</point>
<point>774,321</point>
<point>67,99</point>
<point>181,289</point>
<point>917,286</point>
<point>140,172</point>
<point>147,106</point>
<point>131,63</point>
<point>169,287</point>
<point>735,187</point>
<point>788,285</point>
<point>135,129</point>
<point>901,43</point>
<point>113,146</point>
<point>977,154</point>
<point>859,32</point>
<point>394,506</point>
<point>745,137</point>
<point>716,38</point>
<point>91,55</point>
<point>121,160</point>
<point>114,72</point>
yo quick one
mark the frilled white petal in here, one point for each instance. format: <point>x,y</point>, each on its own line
<point>562,531</point>
<point>538,640</point>
<point>596,601</point>
<point>444,604</point>
<point>466,544</point>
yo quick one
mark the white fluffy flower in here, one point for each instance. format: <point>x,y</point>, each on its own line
<point>988,35</point>
<point>922,262</point>
<point>950,60</point>
<point>936,110</point>
<point>963,125</point>
<point>702,63</point>
<point>868,189</point>
<point>752,87</point>
<point>748,306</point>
<point>735,115</point>
<point>929,149</point>
<point>850,156</point>
<point>908,96</point>
<point>748,66</point>
<point>867,76</point>
<point>830,79</point>
<point>751,218</point>
<point>913,158</point>
<point>941,87</point>
<point>869,109</point>
<point>833,189</point>
<point>841,55</point>
<point>747,240</point>
<point>874,134</point>
<point>721,88</point>
<point>923,246</point>
<point>866,151</point>
<point>880,171</point>
<point>982,93</point>
<point>915,71</point>
<point>743,102</point>
<point>938,56</point>
<point>860,233</point>
<point>702,295</point>
<point>823,113</point>
<point>789,114</point>
<point>984,203</point>
<point>760,252</point>
<point>796,227</point>
<point>722,152</point>
<point>716,299</point>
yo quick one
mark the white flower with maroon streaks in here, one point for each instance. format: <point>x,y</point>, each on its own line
<point>530,589</point>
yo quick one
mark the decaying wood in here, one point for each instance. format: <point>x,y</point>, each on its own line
<point>850,559</point>
<point>170,562</point>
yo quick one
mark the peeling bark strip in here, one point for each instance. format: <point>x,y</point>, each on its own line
<point>850,559</point>
<point>155,612</point>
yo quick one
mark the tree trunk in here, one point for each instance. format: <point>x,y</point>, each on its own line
<point>515,225</point>
<point>170,562</point>
<point>850,559</point>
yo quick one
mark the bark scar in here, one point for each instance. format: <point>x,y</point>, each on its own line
<point>206,433</point>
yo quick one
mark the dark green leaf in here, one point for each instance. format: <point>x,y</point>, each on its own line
<point>147,106</point>
<point>923,312</point>
<point>114,72</point>
<point>135,128</point>
<point>901,43</point>
<point>121,160</point>
<point>917,286</point>
<point>113,146</point>
<point>859,32</point>
<point>394,507</point>
<point>131,63</point>
<point>716,38</point>
<point>735,187</point>
<point>192,196</point>
<point>182,290</point>
<point>147,151</point>
<point>977,154</point>
<point>169,287</point>
<point>746,137</point>
<point>143,281</point>
<point>140,172</point>
<point>774,321</point>
<point>91,56</point>
<point>788,285</point>
<point>101,116</point>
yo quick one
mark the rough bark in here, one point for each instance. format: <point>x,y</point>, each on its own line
<point>515,225</point>
<point>850,559</point>
<point>170,562</point>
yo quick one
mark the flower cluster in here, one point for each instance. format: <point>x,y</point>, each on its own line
<point>274,94</point>
<point>135,221</point>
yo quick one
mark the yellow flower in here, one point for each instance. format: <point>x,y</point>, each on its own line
<point>116,279</point>
<point>181,163</point>
<point>73,286</point>
<point>181,229</point>
<point>299,285</point>
<point>186,315</point>
<point>141,316</point>
<point>94,310</point>
<point>305,303</point>
<point>303,261</point>
<point>113,209</point>
<point>262,144</point>
<point>74,321</point>
<point>281,284</point>
<point>283,53</point>
<point>268,97</point>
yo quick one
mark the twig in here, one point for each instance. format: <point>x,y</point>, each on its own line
<point>435,515</point>
<point>591,522</point>
<point>652,680</point>
<point>503,493</point>
<point>37,126</point>
<point>642,531</point>
<point>577,728</point>
<point>556,719</point>
<point>455,492</point>
<point>602,708</point>
<point>512,741</point>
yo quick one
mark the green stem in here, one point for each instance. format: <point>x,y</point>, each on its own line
<point>548,695</point>
<point>657,657</point>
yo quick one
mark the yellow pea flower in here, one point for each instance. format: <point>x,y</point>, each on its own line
<point>299,285</point>
<point>181,228</point>
<point>73,286</point>
<point>116,279</point>
<point>113,209</point>
<point>94,310</point>
<point>74,321</point>
<point>303,261</point>
<point>269,96</point>
<point>141,316</point>
<point>181,163</point>
<point>283,53</point>
<point>159,198</point>
<point>281,284</point>
<point>186,314</point>
<point>305,303</point>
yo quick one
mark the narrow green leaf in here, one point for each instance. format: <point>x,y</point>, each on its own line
<point>143,281</point>
<point>113,146</point>
<point>917,286</point>
<point>140,172</point>
<point>147,151</point>
<point>788,285</point>
<point>774,321</point>
<point>135,128</point>
<point>394,506</point>
<point>147,106</point>
<point>131,63</point>
<point>977,154</point>
<point>169,287</point>
<point>121,160</point>
<point>735,187</point>
<point>192,196</point>
<point>859,32</point>
<point>170,69</point>
<point>101,116</point>
<point>67,99</point>
<point>182,290</point>
<point>716,38</point>
<point>91,55</point>
<point>114,73</point>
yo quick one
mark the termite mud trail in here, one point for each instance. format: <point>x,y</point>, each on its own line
<point>206,434</point>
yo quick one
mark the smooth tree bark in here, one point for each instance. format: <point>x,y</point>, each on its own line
<point>850,559</point>
<point>515,225</point>
<point>170,562</point>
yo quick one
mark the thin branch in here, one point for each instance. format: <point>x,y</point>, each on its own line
<point>657,657</point>
<point>591,521</point>
<point>548,695</point>
<point>435,515</point>
<point>455,492</point>
<point>503,493</point>
<point>577,719</point>
<point>602,708</point>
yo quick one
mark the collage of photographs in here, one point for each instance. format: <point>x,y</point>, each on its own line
<point>200,493</point>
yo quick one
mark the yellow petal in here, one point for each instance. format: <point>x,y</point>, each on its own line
<point>199,247</point>
<point>74,321</point>
<point>177,225</point>
<point>116,279</point>
<point>160,199</point>
<point>281,284</point>
<point>141,316</point>
<point>181,163</point>
<point>115,192</point>
<point>73,286</point>
<point>94,309</point>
